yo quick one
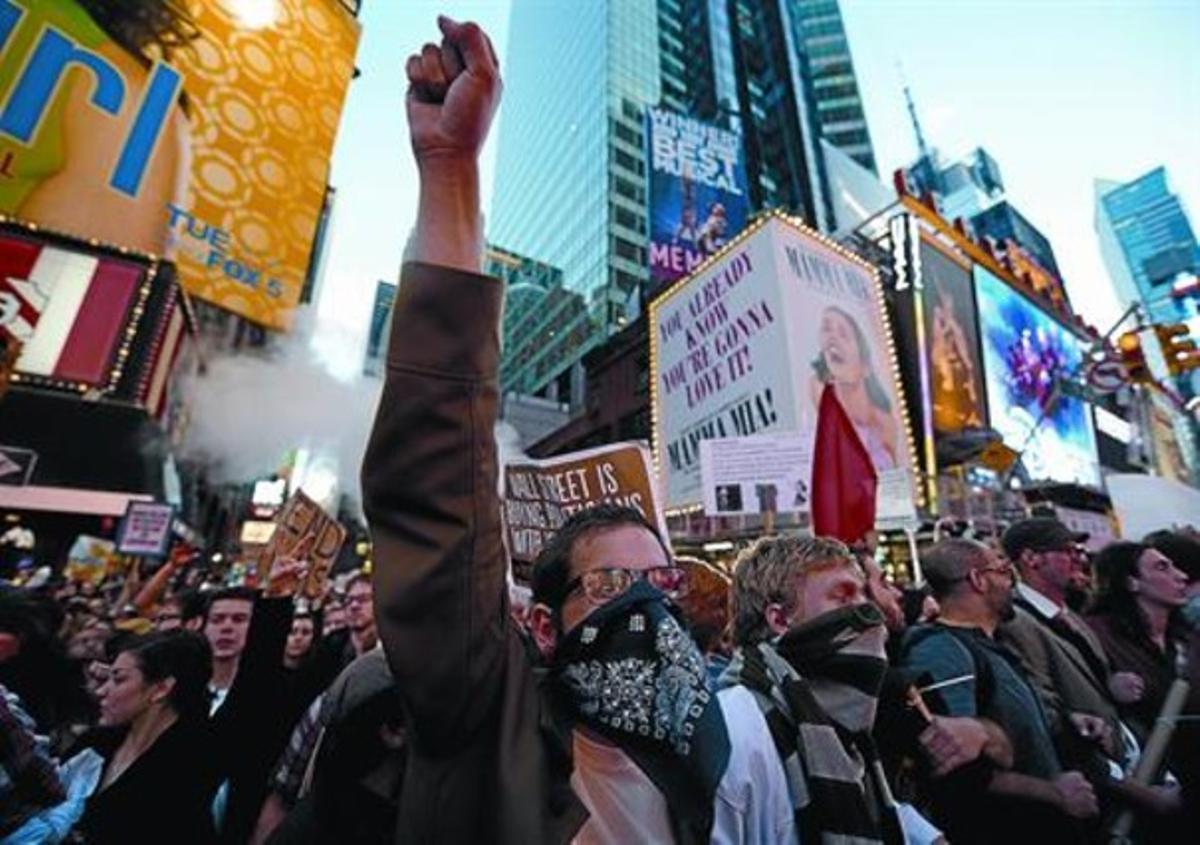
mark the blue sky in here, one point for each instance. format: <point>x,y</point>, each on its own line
<point>1060,92</point>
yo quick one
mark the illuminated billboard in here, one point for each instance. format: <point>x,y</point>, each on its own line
<point>952,341</point>
<point>747,345</point>
<point>198,131</point>
<point>698,199</point>
<point>1026,353</point>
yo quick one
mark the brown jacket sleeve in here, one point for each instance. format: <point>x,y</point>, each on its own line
<point>429,492</point>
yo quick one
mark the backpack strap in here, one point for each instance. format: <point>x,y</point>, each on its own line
<point>985,679</point>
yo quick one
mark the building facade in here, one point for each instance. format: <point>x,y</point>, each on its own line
<point>570,188</point>
<point>1002,222</point>
<point>1148,245</point>
<point>971,189</point>
<point>571,178</point>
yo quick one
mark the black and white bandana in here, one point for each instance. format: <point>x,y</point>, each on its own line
<point>635,676</point>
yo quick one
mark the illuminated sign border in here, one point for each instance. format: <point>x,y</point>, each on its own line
<point>757,223</point>
<point>133,320</point>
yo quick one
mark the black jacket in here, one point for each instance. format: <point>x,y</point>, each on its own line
<point>247,731</point>
<point>165,796</point>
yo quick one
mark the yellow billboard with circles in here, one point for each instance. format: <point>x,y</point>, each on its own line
<point>197,130</point>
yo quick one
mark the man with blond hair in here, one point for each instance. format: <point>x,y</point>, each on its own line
<point>811,650</point>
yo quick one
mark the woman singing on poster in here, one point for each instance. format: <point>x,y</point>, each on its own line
<point>844,360</point>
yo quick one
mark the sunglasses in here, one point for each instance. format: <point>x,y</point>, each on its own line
<point>602,585</point>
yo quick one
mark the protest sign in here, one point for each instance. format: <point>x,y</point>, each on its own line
<point>746,345</point>
<point>146,529</point>
<point>894,504</point>
<point>539,496</point>
<point>766,473</point>
<point>303,532</point>
<point>90,559</point>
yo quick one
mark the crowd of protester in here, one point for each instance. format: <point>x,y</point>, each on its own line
<point>1025,690</point>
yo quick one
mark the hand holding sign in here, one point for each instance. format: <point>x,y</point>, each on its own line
<point>302,549</point>
<point>286,577</point>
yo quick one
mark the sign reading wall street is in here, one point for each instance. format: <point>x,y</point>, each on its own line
<point>539,496</point>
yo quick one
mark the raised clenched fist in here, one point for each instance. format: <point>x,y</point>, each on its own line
<point>453,92</point>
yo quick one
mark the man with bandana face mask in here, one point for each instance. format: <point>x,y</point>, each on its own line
<point>811,649</point>
<point>658,756</point>
<point>500,751</point>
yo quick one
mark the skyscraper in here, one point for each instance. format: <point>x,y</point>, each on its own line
<point>1147,244</point>
<point>570,187</point>
<point>972,189</point>
<point>570,174</point>
<point>835,87</point>
<point>781,71</point>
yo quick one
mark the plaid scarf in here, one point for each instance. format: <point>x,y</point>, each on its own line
<point>820,723</point>
<point>634,675</point>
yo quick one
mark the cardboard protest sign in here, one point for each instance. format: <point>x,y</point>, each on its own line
<point>146,529</point>
<point>90,559</point>
<point>539,496</point>
<point>303,532</point>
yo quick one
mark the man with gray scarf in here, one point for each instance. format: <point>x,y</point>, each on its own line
<point>811,650</point>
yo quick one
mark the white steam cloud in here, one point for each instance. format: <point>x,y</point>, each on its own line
<point>251,409</point>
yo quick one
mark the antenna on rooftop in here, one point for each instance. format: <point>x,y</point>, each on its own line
<point>922,147</point>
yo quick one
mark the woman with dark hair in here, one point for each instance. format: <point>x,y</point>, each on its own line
<point>158,781</point>
<point>845,361</point>
<point>1138,591</point>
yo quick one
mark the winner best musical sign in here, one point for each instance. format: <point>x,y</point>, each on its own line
<point>745,345</point>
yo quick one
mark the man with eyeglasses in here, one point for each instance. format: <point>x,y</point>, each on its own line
<point>657,755</point>
<point>971,675</point>
<point>492,736</point>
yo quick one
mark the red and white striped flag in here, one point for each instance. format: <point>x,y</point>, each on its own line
<point>67,308</point>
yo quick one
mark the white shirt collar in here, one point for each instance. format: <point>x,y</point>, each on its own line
<point>1040,603</point>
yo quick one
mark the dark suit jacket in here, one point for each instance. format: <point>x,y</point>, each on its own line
<point>1066,679</point>
<point>484,764</point>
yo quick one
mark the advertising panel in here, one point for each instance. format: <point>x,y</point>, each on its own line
<point>1026,352</point>
<point>196,131</point>
<point>746,347</point>
<point>539,496</point>
<point>952,338</point>
<point>698,198</point>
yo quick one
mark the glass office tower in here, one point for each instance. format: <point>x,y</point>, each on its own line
<point>839,110</point>
<point>1147,244</point>
<point>570,186</point>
